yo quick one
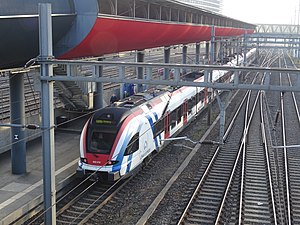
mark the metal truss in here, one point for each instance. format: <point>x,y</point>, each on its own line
<point>272,40</point>
<point>176,82</point>
<point>278,28</point>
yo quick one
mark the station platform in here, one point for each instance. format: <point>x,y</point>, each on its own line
<point>20,193</point>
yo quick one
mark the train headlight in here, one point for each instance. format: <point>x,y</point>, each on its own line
<point>111,162</point>
<point>83,160</point>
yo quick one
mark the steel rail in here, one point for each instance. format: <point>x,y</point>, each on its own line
<point>288,187</point>
<point>293,94</point>
<point>242,146</point>
<point>286,170</point>
<point>212,160</point>
<point>272,60</point>
<point>205,174</point>
<point>265,143</point>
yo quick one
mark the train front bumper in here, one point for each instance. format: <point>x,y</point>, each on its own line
<point>97,175</point>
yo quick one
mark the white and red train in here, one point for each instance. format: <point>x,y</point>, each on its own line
<point>119,138</point>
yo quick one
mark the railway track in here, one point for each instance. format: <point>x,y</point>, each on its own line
<point>250,188</point>
<point>256,201</point>
<point>78,210</point>
<point>240,191</point>
<point>206,201</point>
<point>290,137</point>
<point>78,204</point>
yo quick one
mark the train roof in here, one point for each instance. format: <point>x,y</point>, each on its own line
<point>115,114</point>
<point>139,98</point>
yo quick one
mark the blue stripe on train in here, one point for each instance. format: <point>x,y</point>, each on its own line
<point>122,151</point>
<point>152,128</point>
<point>159,136</point>
<point>129,163</point>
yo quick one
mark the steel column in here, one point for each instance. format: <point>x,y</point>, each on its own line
<point>209,93</point>
<point>17,116</point>
<point>298,50</point>
<point>122,76</point>
<point>217,50</point>
<point>222,107</point>
<point>98,94</point>
<point>222,51</point>
<point>140,70</point>
<point>212,46</point>
<point>184,58</point>
<point>167,53</point>
<point>197,59</point>
<point>134,8</point>
<point>148,77</point>
<point>184,54</point>
<point>45,37</point>
<point>245,48</point>
<point>207,51</point>
<point>226,49</point>
<point>237,52</point>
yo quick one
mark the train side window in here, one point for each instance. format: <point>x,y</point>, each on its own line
<point>200,96</point>
<point>191,103</point>
<point>179,113</point>
<point>133,145</point>
<point>158,127</point>
<point>173,118</point>
<point>209,95</point>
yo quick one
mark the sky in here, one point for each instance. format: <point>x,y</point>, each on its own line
<point>263,11</point>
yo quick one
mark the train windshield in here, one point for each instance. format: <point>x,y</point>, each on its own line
<point>101,142</point>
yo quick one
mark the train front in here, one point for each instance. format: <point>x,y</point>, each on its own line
<point>98,142</point>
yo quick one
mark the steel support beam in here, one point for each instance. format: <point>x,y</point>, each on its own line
<point>184,54</point>
<point>140,70</point>
<point>167,53</point>
<point>122,76</point>
<point>298,49</point>
<point>45,44</point>
<point>148,77</point>
<point>207,51</point>
<point>184,58</point>
<point>212,46</point>
<point>222,107</point>
<point>245,49</point>
<point>222,50</point>
<point>197,59</point>
<point>205,68</point>
<point>17,116</point>
<point>209,93</point>
<point>237,52</point>
<point>98,94</point>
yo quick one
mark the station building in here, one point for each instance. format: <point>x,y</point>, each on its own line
<point>211,5</point>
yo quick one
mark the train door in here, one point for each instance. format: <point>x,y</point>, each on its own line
<point>167,125</point>
<point>185,110</point>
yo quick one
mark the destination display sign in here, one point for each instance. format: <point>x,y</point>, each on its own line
<point>105,122</point>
